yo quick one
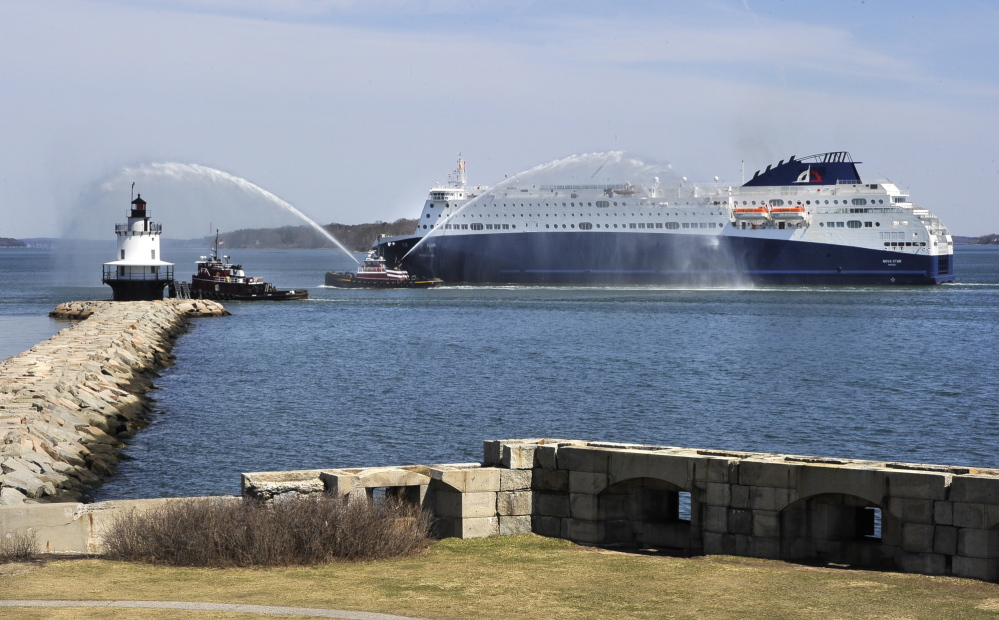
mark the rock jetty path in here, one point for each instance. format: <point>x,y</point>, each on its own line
<point>67,403</point>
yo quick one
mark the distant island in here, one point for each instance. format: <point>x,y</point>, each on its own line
<point>357,237</point>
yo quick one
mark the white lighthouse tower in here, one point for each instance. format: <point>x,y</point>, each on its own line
<point>138,274</point>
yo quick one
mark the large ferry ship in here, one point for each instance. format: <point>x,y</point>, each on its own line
<point>808,220</point>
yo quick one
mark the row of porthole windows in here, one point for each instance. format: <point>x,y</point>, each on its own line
<point>777,202</point>
<point>600,203</point>
<point>894,244</point>
<point>587,226</point>
<point>850,224</point>
<point>478,226</point>
<point>650,214</point>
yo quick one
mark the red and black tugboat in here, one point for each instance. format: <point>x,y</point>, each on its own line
<point>373,273</point>
<point>219,279</point>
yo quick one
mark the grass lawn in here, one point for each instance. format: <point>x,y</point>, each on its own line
<point>513,577</point>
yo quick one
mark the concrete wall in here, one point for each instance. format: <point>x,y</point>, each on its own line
<point>70,528</point>
<point>929,519</point>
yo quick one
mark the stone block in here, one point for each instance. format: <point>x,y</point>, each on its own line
<point>718,494</point>
<point>763,498</point>
<point>943,513</point>
<point>613,506</point>
<point>973,543</point>
<point>969,515</point>
<point>546,526</point>
<point>551,480</point>
<point>818,479</point>
<point>514,502</point>
<point>766,524</point>
<point>741,544</point>
<point>917,538</point>
<point>492,452</point>
<point>511,525</point>
<point>584,531</point>
<point>482,480</point>
<point>945,540</point>
<point>974,568</point>
<point>740,521</point>
<point>924,563</point>
<point>466,505</point>
<point>587,482</point>
<point>974,490</point>
<point>584,507</point>
<point>478,527</point>
<point>546,457</point>
<point>764,547</point>
<point>551,504</point>
<point>918,485</point>
<point>578,458</point>
<point>767,474</point>
<point>629,464</point>
<point>519,455</point>
<point>515,479</point>
<point>716,543</point>
<point>722,470</point>
<point>915,510</point>
<point>451,504</point>
<point>716,519</point>
<point>785,497</point>
<point>451,478</point>
<point>740,496</point>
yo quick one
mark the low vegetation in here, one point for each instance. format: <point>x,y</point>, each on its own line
<point>221,533</point>
<point>527,577</point>
<point>16,546</point>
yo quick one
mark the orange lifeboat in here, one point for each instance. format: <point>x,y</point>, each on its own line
<point>751,214</point>
<point>789,213</point>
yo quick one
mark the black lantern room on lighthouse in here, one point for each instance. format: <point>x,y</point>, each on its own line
<point>138,273</point>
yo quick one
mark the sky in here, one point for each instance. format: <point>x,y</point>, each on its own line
<point>350,110</point>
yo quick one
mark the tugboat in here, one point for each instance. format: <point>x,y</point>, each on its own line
<point>373,273</point>
<point>219,279</point>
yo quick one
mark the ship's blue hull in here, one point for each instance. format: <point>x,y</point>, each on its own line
<point>656,258</point>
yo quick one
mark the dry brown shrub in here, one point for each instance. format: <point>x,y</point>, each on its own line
<point>311,530</point>
<point>17,546</point>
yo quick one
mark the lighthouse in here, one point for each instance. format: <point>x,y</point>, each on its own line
<point>138,273</point>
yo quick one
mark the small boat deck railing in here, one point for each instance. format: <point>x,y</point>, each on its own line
<point>156,272</point>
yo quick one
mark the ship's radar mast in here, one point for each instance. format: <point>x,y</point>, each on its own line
<point>459,174</point>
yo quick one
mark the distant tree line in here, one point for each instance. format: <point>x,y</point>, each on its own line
<point>7,242</point>
<point>986,240</point>
<point>357,237</point>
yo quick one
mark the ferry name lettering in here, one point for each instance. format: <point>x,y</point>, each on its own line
<point>892,261</point>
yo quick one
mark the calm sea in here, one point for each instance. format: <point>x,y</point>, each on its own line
<point>360,378</point>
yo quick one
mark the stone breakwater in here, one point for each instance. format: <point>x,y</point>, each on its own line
<point>67,403</point>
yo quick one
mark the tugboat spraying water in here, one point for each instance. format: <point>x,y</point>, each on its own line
<point>373,273</point>
<point>217,278</point>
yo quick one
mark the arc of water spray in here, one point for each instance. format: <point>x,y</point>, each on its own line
<point>505,183</point>
<point>176,170</point>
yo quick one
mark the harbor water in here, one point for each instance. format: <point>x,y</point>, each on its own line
<point>379,377</point>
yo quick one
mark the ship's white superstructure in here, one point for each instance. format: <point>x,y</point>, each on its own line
<point>815,202</point>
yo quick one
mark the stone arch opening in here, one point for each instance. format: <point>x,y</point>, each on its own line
<point>839,528</point>
<point>647,512</point>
